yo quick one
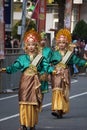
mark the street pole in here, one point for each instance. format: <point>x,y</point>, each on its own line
<point>68,14</point>
<point>23,21</point>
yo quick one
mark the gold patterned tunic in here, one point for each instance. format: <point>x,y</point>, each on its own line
<point>29,97</point>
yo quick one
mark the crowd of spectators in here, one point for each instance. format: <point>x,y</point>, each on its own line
<point>81,51</point>
<point>11,42</point>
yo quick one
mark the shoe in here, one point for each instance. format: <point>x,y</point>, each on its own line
<point>32,128</point>
<point>60,114</point>
<point>54,113</point>
<point>23,128</point>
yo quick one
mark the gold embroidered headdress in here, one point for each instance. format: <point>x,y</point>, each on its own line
<point>64,33</point>
<point>32,36</point>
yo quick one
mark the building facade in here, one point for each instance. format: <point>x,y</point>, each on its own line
<point>78,13</point>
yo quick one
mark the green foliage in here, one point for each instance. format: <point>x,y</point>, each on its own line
<point>14,30</point>
<point>80,30</point>
<point>29,25</point>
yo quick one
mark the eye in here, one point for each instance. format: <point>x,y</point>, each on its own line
<point>64,42</point>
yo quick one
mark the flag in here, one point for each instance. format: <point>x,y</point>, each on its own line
<point>35,13</point>
<point>39,13</point>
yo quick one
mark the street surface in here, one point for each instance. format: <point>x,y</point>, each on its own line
<point>76,119</point>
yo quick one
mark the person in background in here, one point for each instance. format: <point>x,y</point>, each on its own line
<point>30,96</point>
<point>61,74</point>
<point>85,54</point>
<point>47,53</point>
<point>76,51</point>
<point>8,41</point>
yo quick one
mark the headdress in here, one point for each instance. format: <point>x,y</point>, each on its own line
<point>64,33</point>
<point>32,36</point>
<point>43,35</point>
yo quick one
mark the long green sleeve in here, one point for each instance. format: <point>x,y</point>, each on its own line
<point>77,60</point>
<point>21,63</point>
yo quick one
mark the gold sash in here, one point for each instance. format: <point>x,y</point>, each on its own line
<point>65,59</point>
<point>37,60</point>
<point>32,70</point>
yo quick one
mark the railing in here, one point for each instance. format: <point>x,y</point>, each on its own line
<point>10,82</point>
<point>13,51</point>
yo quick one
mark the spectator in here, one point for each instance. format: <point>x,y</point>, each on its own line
<point>8,42</point>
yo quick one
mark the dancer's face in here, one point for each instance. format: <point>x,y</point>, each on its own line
<point>43,42</point>
<point>62,42</point>
<point>31,46</point>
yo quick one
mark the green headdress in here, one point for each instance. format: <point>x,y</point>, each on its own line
<point>43,35</point>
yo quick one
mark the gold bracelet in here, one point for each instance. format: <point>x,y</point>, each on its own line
<point>86,64</point>
<point>3,69</point>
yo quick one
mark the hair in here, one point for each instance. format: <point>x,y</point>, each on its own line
<point>66,33</point>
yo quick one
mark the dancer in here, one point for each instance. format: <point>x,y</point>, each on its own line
<point>46,51</point>
<point>61,75</point>
<point>30,96</point>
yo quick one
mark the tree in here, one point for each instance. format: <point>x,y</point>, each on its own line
<point>29,25</point>
<point>80,30</point>
<point>61,11</point>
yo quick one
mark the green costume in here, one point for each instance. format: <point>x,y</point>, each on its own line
<point>73,60</point>
<point>61,82</point>
<point>23,62</point>
<point>47,54</point>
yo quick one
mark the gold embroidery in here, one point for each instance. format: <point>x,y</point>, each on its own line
<point>32,70</point>
<point>61,65</point>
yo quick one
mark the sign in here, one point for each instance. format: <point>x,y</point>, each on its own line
<point>2,29</point>
<point>8,14</point>
<point>77,1</point>
<point>68,14</point>
<point>7,10</point>
<point>50,1</point>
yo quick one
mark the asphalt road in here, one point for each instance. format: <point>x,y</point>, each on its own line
<point>76,119</point>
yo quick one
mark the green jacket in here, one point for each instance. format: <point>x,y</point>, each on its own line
<point>47,54</point>
<point>73,60</point>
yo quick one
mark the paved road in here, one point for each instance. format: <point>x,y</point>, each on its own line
<point>76,119</point>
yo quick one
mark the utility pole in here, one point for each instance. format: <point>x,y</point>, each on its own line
<point>24,6</point>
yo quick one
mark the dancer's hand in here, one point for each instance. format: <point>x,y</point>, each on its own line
<point>2,69</point>
<point>86,64</point>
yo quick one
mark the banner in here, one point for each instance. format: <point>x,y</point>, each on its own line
<point>68,14</point>
<point>39,14</point>
<point>35,13</point>
<point>77,1</point>
<point>42,16</point>
<point>2,29</point>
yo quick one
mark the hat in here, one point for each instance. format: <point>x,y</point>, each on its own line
<point>65,34</point>
<point>32,36</point>
<point>74,41</point>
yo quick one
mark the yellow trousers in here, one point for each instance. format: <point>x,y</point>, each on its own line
<point>59,102</point>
